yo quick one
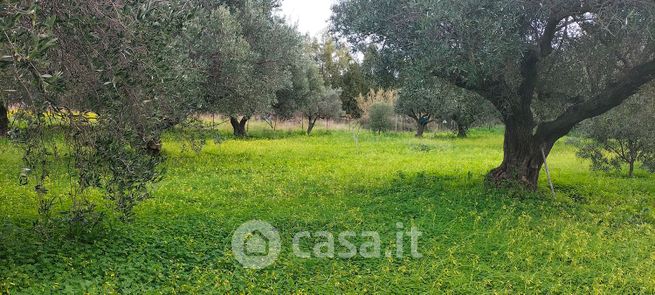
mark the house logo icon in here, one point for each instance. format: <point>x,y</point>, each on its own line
<point>256,244</point>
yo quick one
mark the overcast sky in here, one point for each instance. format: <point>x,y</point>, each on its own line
<point>312,16</point>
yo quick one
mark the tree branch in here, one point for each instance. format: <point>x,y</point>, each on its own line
<point>612,96</point>
<point>546,41</point>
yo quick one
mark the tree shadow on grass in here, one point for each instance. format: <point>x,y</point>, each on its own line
<point>426,195</point>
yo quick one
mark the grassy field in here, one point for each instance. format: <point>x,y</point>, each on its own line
<point>596,236</point>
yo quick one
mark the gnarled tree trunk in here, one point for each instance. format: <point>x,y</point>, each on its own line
<point>239,126</point>
<point>422,121</point>
<point>4,120</point>
<point>523,157</point>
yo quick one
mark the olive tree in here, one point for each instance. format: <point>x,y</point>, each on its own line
<point>308,95</point>
<point>114,76</point>
<point>623,136</point>
<point>429,99</point>
<point>245,74</point>
<point>5,94</point>
<point>341,70</point>
<point>380,117</point>
<point>546,66</point>
<point>323,105</point>
<point>420,102</point>
<point>320,102</point>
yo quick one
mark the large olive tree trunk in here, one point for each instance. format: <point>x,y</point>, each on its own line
<point>527,142</point>
<point>4,120</point>
<point>422,122</point>
<point>239,126</point>
<point>523,157</point>
<point>420,128</point>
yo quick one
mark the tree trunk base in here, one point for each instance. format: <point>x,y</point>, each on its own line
<point>420,130</point>
<point>310,128</point>
<point>239,126</point>
<point>311,123</point>
<point>504,176</point>
<point>462,132</point>
<point>523,159</point>
<point>4,120</point>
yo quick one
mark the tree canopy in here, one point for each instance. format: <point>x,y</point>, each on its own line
<point>115,75</point>
<point>250,53</point>
<point>340,70</point>
<point>545,65</point>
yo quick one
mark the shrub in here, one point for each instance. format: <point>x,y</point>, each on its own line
<point>625,135</point>
<point>380,117</point>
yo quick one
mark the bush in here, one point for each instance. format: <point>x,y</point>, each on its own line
<point>381,117</point>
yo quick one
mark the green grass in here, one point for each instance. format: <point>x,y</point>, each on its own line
<point>597,235</point>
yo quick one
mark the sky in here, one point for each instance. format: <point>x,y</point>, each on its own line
<point>312,16</point>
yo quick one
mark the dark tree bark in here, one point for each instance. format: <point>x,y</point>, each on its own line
<point>239,126</point>
<point>523,157</point>
<point>422,121</point>
<point>421,127</point>
<point>4,120</point>
<point>462,125</point>
<point>462,130</point>
<point>311,124</point>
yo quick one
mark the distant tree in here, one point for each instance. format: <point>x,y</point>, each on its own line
<point>625,135</point>
<point>333,60</point>
<point>307,83</point>
<point>422,103</point>
<point>353,84</point>
<point>468,109</point>
<point>245,74</point>
<point>380,117</point>
<point>308,94</point>
<point>324,104</point>
<point>430,99</point>
<point>340,70</point>
<point>4,95</point>
<point>5,92</point>
<point>578,59</point>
